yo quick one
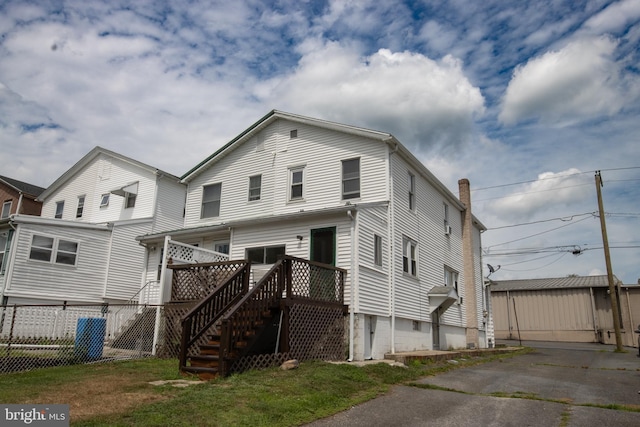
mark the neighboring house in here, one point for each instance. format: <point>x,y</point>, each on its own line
<point>18,197</point>
<point>83,248</point>
<point>352,198</point>
<point>570,309</point>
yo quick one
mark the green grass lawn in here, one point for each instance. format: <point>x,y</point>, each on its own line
<point>119,394</point>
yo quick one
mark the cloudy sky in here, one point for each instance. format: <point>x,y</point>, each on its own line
<point>526,99</point>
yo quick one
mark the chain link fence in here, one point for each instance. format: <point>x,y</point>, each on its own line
<point>36,336</point>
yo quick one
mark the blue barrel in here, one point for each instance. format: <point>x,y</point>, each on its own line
<point>90,338</point>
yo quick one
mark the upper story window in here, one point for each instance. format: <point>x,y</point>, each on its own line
<point>293,133</point>
<point>409,256</point>
<point>6,209</point>
<point>80,208</point>
<point>4,240</point>
<point>129,200</point>
<point>255,187</point>
<point>104,200</point>
<point>451,278</point>
<point>211,195</point>
<point>350,179</point>
<point>59,209</point>
<point>264,254</point>
<point>412,191</point>
<point>54,250</point>
<point>377,250</point>
<point>296,183</point>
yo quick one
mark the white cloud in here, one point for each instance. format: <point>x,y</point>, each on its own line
<point>425,103</point>
<point>614,17</point>
<point>581,80</point>
<point>548,193</point>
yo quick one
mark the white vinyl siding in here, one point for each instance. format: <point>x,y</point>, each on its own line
<point>84,282</point>
<point>373,280</point>
<point>320,150</point>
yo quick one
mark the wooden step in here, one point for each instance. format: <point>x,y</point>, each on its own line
<point>204,361</point>
<point>202,372</point>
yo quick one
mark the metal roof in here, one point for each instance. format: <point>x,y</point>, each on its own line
<point>552,283</point>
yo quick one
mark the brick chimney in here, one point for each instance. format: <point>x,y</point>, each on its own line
<point>470,302</point>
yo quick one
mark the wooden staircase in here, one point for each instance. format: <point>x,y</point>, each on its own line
<point>207,363</point>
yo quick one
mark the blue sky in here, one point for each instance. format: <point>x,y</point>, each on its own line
<point>540,93</point>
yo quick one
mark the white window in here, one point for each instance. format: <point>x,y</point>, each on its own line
<point>412,191</point>
<point>104,200</point>
<point>293,134</point>
<point>255,187</point>
<point>211,200</point>
<point>350,179</point>
<point>80,208</point>
<point>6,209</point>
<point>377,250</point>
<point>59,209</point>
<point>451,278</point>
<point>4,242</point>
<point>129,200</point>
<point>222,247</point>
<point>55,250</point>
<point>296,183</point>
<point>409,256</point>
<point>265,254</point>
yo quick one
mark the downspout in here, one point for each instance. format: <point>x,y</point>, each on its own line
<point>106,276</point>
<point>352,293</point>
<point>12,255</point>
<point>392,258</point>
<point>163,274</point>
<point>19,207</point>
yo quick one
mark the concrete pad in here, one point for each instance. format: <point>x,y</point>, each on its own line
<point>176,383</point>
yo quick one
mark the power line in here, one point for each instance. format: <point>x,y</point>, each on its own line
<point>565,219</point>
<point>532,192</point>
<point>553,177</point>
<point>536,234</point>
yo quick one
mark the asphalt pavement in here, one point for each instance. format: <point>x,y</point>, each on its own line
<point>557,384</point>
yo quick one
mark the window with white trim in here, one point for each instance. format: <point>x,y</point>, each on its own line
<point>296,183</point>
<point>264,254</point>
<point>350,179</point>
<point>446,216</point>
<point>412,191</point>
<point>255,187</point>
<point>409,256</point>
<point>104,200</point>
<point>377,250</point>
<point>59,209</point>
<point>451,278</point>
<point>53,250</point>
<point>211,195</point>
<point>80,208</point>
<point>6,209</point>
<point>130,200</point>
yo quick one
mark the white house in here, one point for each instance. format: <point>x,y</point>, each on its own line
<point>83,249</point>
<point>356,199</point>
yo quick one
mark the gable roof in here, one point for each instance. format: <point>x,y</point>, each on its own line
<point>22,187</point>
<point>88,158</point>
<point>552,283</point>
<point>274,115</point>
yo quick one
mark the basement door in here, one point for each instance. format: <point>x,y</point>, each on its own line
<point>323,249</point>
<point>435,328</point>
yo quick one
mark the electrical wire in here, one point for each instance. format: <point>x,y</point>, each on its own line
<point>537,234</point>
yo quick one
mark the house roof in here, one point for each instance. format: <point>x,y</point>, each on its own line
<point>274,115</point>
<point>88,158</point>
<point>573,282</point>
<point>22,187</point>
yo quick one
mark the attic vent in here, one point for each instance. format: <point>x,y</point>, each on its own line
<point>293,133</point>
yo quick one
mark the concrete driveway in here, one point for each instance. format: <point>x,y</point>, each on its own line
<point>558,384</point>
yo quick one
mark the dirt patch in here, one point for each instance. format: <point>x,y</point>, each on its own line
<point>102,395</point>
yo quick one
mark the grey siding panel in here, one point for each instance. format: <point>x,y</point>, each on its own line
<point>320,151</point>
<point>83,282</point>
<point>373,281</point>
<point>126,262</point>
<point>425,225</point>
<point>170,205</point>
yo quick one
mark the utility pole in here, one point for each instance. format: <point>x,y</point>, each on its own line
<point>607,258</point>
